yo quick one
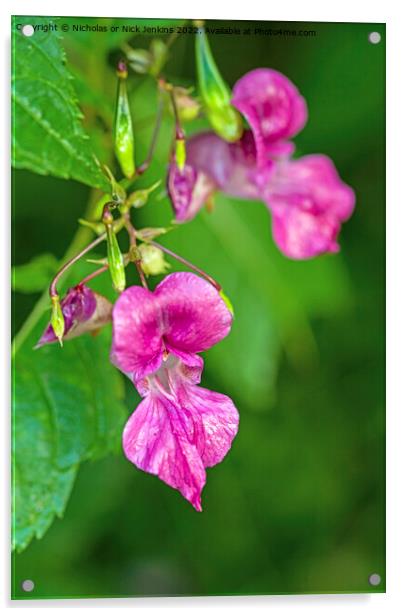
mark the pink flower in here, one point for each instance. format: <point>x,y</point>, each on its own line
<point>179,428</point>
<point>306,197</point>
<point>83,311</point>
<point>274,109</point>
<point>308,202</point>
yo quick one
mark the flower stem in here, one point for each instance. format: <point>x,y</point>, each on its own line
<point>188,264</point>
<point>133,248</point>
<point>94,274</point>
<point>144,166</point>
<point>66,266</point>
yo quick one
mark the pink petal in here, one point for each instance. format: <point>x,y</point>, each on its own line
<point>272,106</point>
<point>309,202</point>
<point>232,166</point>
<point>195,317</point>
<point>137,346</point>
<point>188,190</point>
<point>217,418</point>
<point>158,438</point>
<point>178,431</point>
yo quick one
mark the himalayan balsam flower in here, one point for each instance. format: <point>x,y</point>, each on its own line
<point>179,428</point>
<point>188,190</point>
<point>83,311</point>
<point>307,199</point>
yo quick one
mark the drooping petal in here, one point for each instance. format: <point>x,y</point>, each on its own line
<point>83,311</point>
<point>137,345</point>
<point>159,439</point>
<point>308,202</point>
<point>217,418</point>
<point>195,317</point>
<point>179,429</point>
<point>188,190</point>
<point>273,107</point>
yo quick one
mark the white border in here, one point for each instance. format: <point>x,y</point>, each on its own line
<point>308,10</point>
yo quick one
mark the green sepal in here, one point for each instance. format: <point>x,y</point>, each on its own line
<point>227,301</point>
<point>57,319</point>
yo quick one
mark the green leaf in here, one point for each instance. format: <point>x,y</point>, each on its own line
<point>47,135</point>
<point>67,409</point>
<point>34,276</point>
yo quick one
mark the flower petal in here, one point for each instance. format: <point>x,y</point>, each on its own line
<point>83,311</point>
<point>158,438</point>
<point>309,202</point>
<point>195,317</point>
<point>137,345</point>
<point>217,419</point>
<point>272,106</point>
<point>232,166</point>
<point>188,190</point>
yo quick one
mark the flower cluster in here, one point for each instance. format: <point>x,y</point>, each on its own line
<point>179,428</point>
<point>306,198</point>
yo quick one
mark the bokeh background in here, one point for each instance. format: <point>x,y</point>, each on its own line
<point>298,504</point>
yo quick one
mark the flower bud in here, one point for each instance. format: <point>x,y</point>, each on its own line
<point>152,260</point>
<point>139,198</point>
<point>57,319</point>
<point>140,60</point>
<point>123,127</point>
<point>81,310</point>
<point>225,119</point>
<point>188,107</point>
<point>159,54</point>
<point>147,234</point>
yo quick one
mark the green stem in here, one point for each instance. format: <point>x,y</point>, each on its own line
<point>81,239</point>
<point>188,264</point>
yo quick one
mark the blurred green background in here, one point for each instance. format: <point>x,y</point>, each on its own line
<point>298,504</point>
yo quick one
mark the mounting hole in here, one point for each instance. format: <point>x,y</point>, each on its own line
<point>28,585</point>
<point>374,38</point>
<point>374,579</point>
<point>28,30</point>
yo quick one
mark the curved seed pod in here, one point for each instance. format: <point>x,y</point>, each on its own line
<point>123,126</point>
<point>225,119</point>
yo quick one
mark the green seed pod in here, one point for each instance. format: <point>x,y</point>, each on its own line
<point>123,126</point>
<point>114,255</point>
<point>57,318</point>
<point>225,119</point>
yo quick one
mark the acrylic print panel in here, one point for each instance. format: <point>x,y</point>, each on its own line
<point>198,244</point>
